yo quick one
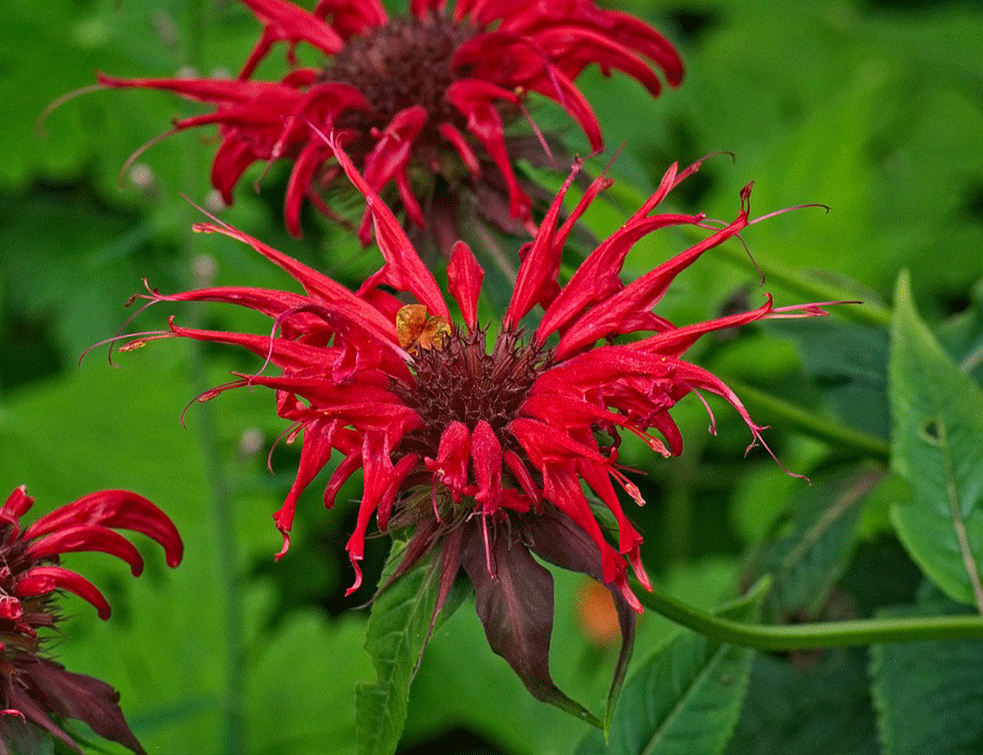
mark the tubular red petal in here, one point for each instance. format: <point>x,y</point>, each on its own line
<point>231,161</point>
<point>17,504</point>
<point>394,147</point>
<point>473,99</point>
<point>404,269</point>
<point>536,281</point>
<point>400,470</point>
<point>637,35</point>
<point>87,538</point>
<point>286,22</point>
<point>314,454</point>
<point>453,457</point>
<point>597,278</point>
<point>464,150</point>
<point>42,580</point>
<point>378,475</point>
<point>575,47</point>
<point>618,313</point>
<point>464,277</point>
<point>117,509</point>
<point>311,157</point>
<point>316,284</point>
<point>350,19</point>
<point>486,452</point>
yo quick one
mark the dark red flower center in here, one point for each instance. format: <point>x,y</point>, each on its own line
<point>407,62</point>
<point>462,382</point>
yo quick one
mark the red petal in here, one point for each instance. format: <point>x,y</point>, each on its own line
<point>597,278</point>
<point>42,580</point>
<point>118,509</point>
<point>453,457</point>
<point>486,454</point>
<point>464,276</point>
<point>351,19</point>
<point>316,284</point>
<point>87,538</point>
<point>536,281</point>
<point>616,314</point>
<point>286,22</point>
<point>17,504</point>
<point>473,98</point>
<point>467,155</point>
<point>404,269</point>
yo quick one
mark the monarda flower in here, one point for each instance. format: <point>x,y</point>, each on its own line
<point>33,688</point>
<point>486,445</point>
<point>426,98</point>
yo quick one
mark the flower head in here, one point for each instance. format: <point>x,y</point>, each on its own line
<point>33,687</point>
<point>425,98</point>
<point>489,445</point>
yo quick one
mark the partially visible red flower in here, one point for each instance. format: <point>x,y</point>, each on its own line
<point>487,445</point>
<point>33,687</point>
<point>427,98</point>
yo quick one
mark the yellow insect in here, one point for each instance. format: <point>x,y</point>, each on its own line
<point>418,329</point>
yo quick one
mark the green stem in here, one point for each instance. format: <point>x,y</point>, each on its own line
<point>823,428</point>
<point>813,290</point>
<point>812,636</point>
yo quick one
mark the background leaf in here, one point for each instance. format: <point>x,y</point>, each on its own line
<point>929,694</point>
<point>395,637</point>
<point>812,549</point>
<point>685,698</point>
<point>937,445</point>
<point>812,704</point>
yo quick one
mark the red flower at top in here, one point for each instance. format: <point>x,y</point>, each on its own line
<point>426,98</point>
<point>484,454</point>
<point>32,686</point>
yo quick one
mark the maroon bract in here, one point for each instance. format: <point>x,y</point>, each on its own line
<point>424,99</point>
<point>31,685</point>
<point>482,455</point>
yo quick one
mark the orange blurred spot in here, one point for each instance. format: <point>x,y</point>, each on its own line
<point>596,613</point>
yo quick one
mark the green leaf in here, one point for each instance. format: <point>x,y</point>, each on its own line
<point>301,682</point>
<point>686,698</point>
<point>928,694</point>
<point>396,634</point>
<point>811,552</point>
<point>937,445</point>
<point>807,705</point>
<point>849,363</point>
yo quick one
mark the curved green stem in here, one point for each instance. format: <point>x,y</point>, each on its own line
<point>812,636</point>
<point>838,435</point>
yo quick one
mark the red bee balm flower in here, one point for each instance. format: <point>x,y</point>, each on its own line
<point>425,98</point>
<point>484,454</point>
<point>32,687</point>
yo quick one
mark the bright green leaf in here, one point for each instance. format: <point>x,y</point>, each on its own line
<point>937,445</point>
